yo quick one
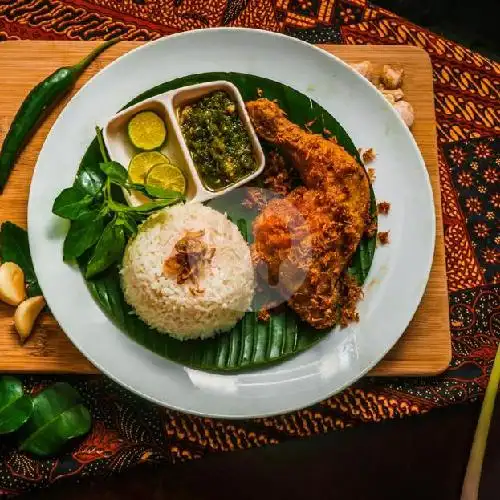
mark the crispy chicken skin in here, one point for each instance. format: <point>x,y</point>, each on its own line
<point>307,254</point>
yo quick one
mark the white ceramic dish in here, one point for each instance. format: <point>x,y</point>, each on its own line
<point>398,276</point>
<point>167,105</point>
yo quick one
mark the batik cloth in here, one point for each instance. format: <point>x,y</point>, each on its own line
<point>128,430</point>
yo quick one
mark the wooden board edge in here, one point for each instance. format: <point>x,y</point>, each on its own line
<point>408,368</point>
<point>74,370</point>
<point>398,365</point>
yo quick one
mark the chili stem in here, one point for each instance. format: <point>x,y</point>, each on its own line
<point>80,67</point>
<point>470,488</point>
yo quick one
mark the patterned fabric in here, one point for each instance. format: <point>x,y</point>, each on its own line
<point>128,430</point>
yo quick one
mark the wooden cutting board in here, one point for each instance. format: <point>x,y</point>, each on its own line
<point>424,348</point>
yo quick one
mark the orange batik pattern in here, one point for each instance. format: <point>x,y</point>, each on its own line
<point>128,430</point>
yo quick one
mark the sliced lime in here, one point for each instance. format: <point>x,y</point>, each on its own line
<point>166,176</point>
<point>147,130</point>
<point>142,163</point>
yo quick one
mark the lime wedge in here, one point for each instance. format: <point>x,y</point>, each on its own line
<point>167,176</point>
<point>142,163</point>
<point>147,130</point>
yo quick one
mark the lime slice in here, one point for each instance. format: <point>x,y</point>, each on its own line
<point>141,164</point>
<point>147,130</point>
<point>167,176</point>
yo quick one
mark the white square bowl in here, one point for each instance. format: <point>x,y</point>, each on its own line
<point>175,149</point>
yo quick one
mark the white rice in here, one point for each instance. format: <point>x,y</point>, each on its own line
<point>228,281</point>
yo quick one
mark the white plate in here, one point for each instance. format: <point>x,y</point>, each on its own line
<point>399,272</point>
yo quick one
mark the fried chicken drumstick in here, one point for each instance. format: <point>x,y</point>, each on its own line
<point>305,240</point>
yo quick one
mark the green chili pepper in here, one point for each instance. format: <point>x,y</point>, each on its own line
<point>39,100</point>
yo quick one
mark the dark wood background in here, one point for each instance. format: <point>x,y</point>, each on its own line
<point>474,23</point>
<point>420,458</point>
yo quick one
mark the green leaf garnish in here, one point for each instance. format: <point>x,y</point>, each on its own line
<point>72,203</point>
<point>58,416</point>
<point>115,172</point>
<point>156,191</point>
<point>91,179</point>
<point>82,235</point>
<point>154,205</point>
<point>15,406</point>
<point>128,222</point>
<point>109,249</point>
<point>162,193</point>
<point>91,205</point>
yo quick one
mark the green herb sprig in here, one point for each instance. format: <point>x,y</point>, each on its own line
<point>100,223</point>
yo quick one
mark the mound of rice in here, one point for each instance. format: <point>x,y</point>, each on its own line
<point>227,281</point>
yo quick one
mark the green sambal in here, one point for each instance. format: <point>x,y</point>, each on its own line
<point>217,140</point>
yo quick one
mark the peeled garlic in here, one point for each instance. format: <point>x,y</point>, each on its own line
<point>26,314</point>
<point>393,95</point>
<point>365,69</point>
<point>392,78</point>
<point>405,110</point>
<point>390,98</point>
<point>12,287</point>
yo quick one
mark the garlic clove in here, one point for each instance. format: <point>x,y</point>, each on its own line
<point>392,78</point>
<point>405,110</point>
<point>366,69</point>
<point>26,314</point>
<point>390,98</point>
<point>393,95</point>
<point>12,286</point>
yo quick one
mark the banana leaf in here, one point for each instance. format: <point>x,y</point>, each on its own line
<point>14,247</point>
<point>250,344</point>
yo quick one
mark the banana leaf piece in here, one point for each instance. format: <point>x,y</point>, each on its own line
<point>14,247</point>
<point>362,260</point>
<point>15,406</point>
<point>251,344</point>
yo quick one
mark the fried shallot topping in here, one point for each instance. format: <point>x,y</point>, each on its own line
<point>189,256</point>
<point>277,177</point>
<point>371,175</point>
<point>368,155</point>
<point>351,293</point>
<point>383,237</point>
<point>254,198</point>
<point>371,228</point>
<point>383,207</point>
<point>309,124</point>
<point>264,315</point>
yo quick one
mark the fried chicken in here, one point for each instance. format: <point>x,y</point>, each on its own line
<point>305,240</point>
